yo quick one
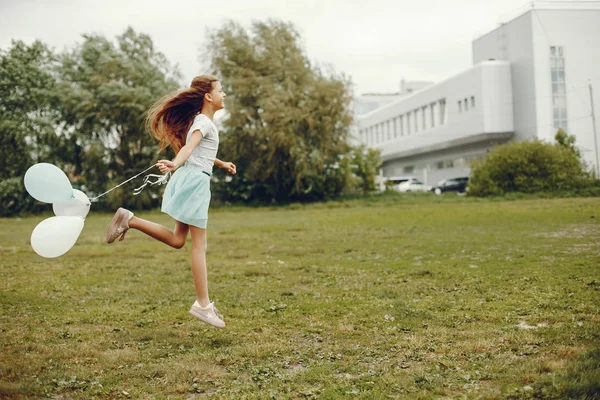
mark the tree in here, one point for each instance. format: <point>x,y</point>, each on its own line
<point>365,165</point>
<point>287,125</point>
<point>27,107</point>
<point>105,89</point>
<point>27,111</point>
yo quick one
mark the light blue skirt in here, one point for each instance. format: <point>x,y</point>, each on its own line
<point>187,196</point>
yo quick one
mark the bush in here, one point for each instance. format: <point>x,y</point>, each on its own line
<point>529,167</point>
<point>15,200</point>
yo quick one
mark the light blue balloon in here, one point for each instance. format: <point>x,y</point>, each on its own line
<point>48,183</point>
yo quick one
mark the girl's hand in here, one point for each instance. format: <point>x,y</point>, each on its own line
<point>166,166</point>
<point>230,167</point>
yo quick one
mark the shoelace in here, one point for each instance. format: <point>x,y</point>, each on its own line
<point>217,311</point>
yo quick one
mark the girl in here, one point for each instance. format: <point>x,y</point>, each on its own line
<point>183,121</point>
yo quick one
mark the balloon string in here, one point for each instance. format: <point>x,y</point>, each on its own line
<point>133,177</point>
<point>160,180</point>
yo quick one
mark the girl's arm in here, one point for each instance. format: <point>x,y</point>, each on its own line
<point>184,153</point>
<point>230,167</point>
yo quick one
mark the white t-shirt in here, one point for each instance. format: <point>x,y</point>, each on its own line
<point>205,153</point>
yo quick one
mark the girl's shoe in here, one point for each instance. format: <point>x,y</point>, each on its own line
<point>119,225</point>
<point>210,314</point>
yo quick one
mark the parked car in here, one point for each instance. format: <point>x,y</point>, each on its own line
<point>392,182</point>
<point>458,185</point>
<point>412,185</point>
<point>406,184</point>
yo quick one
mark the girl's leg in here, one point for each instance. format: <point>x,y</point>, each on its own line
<point>199,265</point>
<point>174,239</point>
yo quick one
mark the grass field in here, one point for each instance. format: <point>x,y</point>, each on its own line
<point>389,297</point>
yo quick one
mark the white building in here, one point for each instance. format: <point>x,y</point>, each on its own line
<point>407,87</point>
<point>530,76</point>
<point>368,102</point>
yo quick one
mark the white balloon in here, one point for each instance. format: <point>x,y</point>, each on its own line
<point>54,236</point>
<point>47,183</point>
<point>78,206</point>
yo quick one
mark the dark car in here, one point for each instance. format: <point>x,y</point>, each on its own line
<point>458,185</point>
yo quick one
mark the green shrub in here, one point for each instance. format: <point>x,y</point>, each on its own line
<point>529,167</point>
<point>14,199</point>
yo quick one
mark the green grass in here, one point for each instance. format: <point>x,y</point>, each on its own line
<point>386,297</point>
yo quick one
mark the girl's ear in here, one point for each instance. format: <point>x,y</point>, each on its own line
<point>208,97</point>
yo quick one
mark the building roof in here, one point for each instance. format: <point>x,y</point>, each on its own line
<point>539,5</point>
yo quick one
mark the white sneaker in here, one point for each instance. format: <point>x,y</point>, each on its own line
<point>119,225</point>
<point>210,314</point>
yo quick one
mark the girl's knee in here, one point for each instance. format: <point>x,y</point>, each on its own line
<point>198,249</point>
<point>178,244</point>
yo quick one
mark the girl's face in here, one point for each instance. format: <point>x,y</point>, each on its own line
<point>218,96</point>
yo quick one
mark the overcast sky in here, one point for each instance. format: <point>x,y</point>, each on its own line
<point>375,42</point>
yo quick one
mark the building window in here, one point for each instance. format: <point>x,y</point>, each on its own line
<point>556,51</point>
<point>401,125</point>
<point>409,169</point>
<point>432,118</point>
<point>460,106</point>
<point>466,104</point>
<point>389,130</point>
<point>439,165</point>
<point>424,111</point>
<point>461,162</point>
<point>559,93</point>
<point>408,123</point>
<point>416,119</point>
<point>442,111</point>
<point>472,101</point>
<point>400,133</point>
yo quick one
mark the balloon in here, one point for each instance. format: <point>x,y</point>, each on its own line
<point>78,206</point>
<point>55,236</point>
<point>48,183</point>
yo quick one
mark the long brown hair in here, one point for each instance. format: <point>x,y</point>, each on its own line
<point>170,118</point>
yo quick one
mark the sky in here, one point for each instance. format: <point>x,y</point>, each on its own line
<point>376,43</point>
